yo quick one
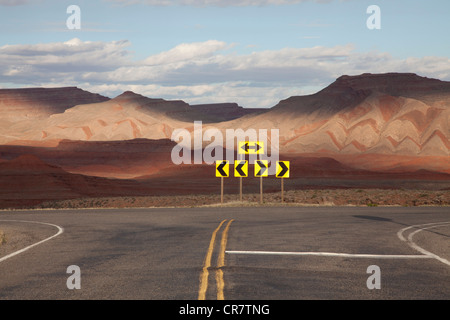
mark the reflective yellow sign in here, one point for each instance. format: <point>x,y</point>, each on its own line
<point>282,169</point>
<point>241,168</point>
<point>222,168</point>
<point>251,147</point>
<point>261,168</point>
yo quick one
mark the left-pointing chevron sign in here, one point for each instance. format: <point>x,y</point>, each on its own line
<point>222,168</point>
<point>282,169</point>
<point>241,168</point>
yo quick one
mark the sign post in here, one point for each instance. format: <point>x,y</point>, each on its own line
<point>240,189</point>
<point>253,147</point>
<point>282,172</point>
<point>261,190</point>
<point>222,171</point>
<point>240,170</point>
<point>221,190</point>
<point>261,170</point>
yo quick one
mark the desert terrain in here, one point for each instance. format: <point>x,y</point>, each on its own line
<point>371,139</point>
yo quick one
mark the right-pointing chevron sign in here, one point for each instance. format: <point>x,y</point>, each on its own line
<point>261,168</point>
<point>282,169</point>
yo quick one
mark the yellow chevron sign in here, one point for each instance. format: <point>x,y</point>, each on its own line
<point>241,168</point>
<point>261,168</point>
<point>282,169</point>
<point>222,168</point>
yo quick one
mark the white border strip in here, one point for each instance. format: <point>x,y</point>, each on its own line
<point>332,254</point>
<point>60,231</point>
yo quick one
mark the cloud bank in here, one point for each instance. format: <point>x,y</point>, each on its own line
<point>200,72</point>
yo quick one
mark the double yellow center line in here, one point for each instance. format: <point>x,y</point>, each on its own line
<point>204,276</point>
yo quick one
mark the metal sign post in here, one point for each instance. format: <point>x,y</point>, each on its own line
<point>221,190</point>
<point>282,172</point>
<point>222,171</point>
<point>261,190</point>
<point>240,189</point>
<point>240,170</point>
<point>244,148</point>
<point>261,170</point>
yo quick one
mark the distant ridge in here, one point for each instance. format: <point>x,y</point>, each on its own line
<point>391,113</point>
<point>388,114</point>
<point>42,102</point>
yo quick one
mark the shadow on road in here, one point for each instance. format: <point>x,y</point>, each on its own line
<point>375,218</point>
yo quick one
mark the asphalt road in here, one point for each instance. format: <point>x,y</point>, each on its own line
<point>240,253</point>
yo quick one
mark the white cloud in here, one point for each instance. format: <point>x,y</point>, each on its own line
<point>238,92</point>
<point>12,3</point>
<point>200,72</point>
<point>63,60</point>
<point>186,51</point>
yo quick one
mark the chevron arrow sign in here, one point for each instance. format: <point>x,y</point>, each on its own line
<point>282,169</point>
<point>222,168</point>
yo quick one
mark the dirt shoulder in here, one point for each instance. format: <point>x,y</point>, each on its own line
<point>3,238</point>
<point>18,235</point>
<point>330,197</point>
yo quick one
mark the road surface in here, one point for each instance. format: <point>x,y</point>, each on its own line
<point>268,253</point>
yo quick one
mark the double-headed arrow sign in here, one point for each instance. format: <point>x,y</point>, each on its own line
<point>251,147</point>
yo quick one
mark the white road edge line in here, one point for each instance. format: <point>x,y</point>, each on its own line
<point>60,231</point>
<point>413,245</point>
<point>333,254</point>
<point>425,254</point>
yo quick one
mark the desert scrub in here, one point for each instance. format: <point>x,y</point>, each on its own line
<point>2,237</point>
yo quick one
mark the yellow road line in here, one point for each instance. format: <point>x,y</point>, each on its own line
<point>205,273</point>
<point>221,262</point>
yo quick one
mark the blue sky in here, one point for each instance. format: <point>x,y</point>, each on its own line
<point>251,52</point>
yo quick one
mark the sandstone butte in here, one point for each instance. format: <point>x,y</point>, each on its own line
<point>393,121</point>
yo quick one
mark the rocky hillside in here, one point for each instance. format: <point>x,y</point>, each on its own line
<point>384,114</point>
<point>27,180</point>
<point>389,114</point>
<point>17,104</point>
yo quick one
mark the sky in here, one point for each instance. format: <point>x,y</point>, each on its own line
<point>251,52</point>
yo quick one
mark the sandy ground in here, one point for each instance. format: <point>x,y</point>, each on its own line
<point>331,197</point>
<point>3,239</point>
<point>15,235</point>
